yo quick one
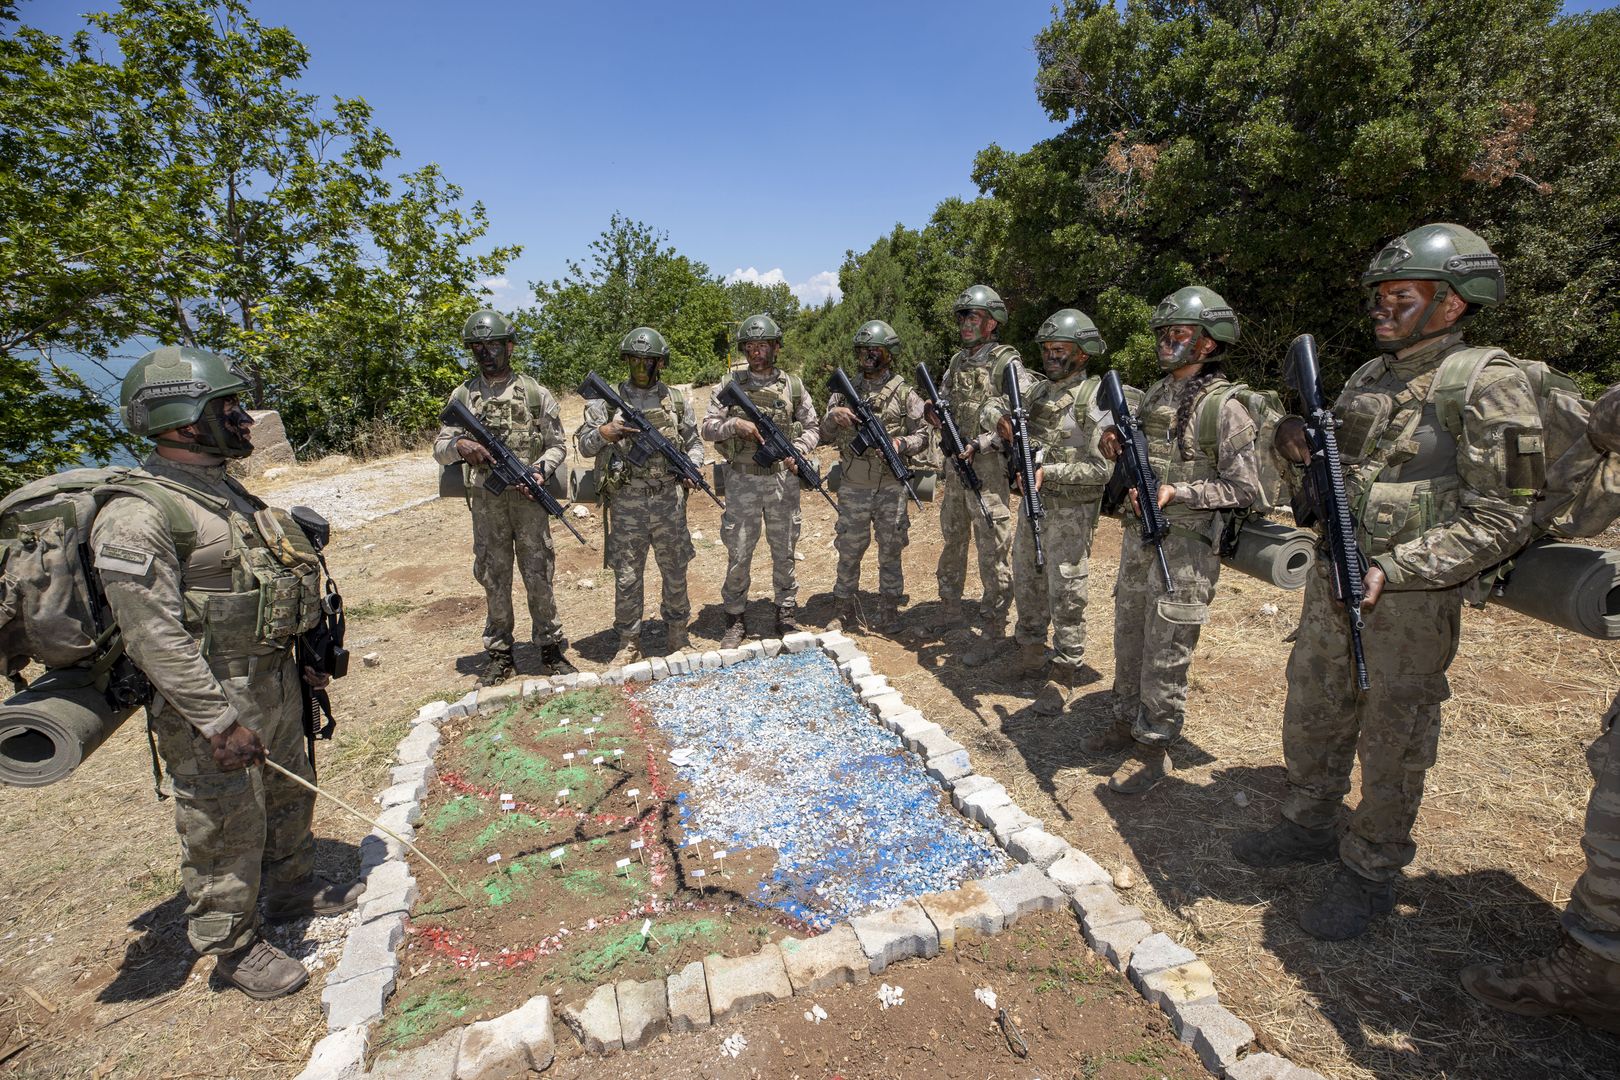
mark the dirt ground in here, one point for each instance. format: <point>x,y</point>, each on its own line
<point>96,978</point>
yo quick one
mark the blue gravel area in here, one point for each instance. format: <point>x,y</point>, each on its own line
<point>782,755</point>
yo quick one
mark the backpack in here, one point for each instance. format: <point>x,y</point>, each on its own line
<point>1265,409</point>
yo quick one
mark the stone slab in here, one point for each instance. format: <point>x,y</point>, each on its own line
<point>640,671</point>
<point>1158,953</point>
<point>339,1056</point>
<point>509,1046</point>
<point>977,806</point>
<point>1115,941</point>
<point>419,745</point>
<point>660,667</point>
<point>965,914</point>
<point>1075,870</point>
<point>855,669</point>
<point>677,663</point>
<point>1022,892</point>
<point>1216,1036</point>
<point>729,657</point>
<point>711,661</point>
<point>871,686</point>
<point>948,768</point>
<point>935,743</point>
<point>371,947</point>
<point>753,650</point>
<point>887,705</point>
<point>969,785</point>
<point>688,994</point>
<point>643,1011</point>
<point>1099,905</point>
<point>424,771</point>
<point>841,650</point>
<point>738,984</point>
<point>595,1021</point>
<point>907,722</point>
<point>433,1061</point>
<point>899,933</point>
<point>1004,821</point>
<point>772,646</point>
<point>406,791</point>
<point>432,713</point>
<point>356,1002</point>
<point>466,705</point>
<point>531,687</point>
<point>1172,989</point>
<point>827,960</point>
<point>914,735</point>
<point>1269,1067</point>
<point>1036,847</point>
<point>491,698</point>
<point>798,642</point>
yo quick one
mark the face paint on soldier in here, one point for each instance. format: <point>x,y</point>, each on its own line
<point>1059,358</point>
<point>1403,311</point>
<point>975,327</point>
<point>872,359</point>
<point>643,370</point>
<point>761,356</point>
<point>493,357</point>
<point>1183,347</point>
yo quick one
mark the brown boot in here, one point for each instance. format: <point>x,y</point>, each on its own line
<point>1031,660</point>
<point>1113,739</point>
<point>989,645</point>
<point>262,971</point>
<point>1146,766</point>
<point>888,615</point>
<point>1573,981</point>
<point>629,651</point>
<point>554,660</point>
<point>1054,696</point>
<point>283,903</point>
<point>498,670</point>
<point>734,631</point>
<point>677,639</point>
<point>848,618</point>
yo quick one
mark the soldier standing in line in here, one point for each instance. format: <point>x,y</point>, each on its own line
<point>644,506</point>
<point>524,415</point>
<point>972,378</point>
<point>758,496</point>
<point>1582,976</point>
<point>1155,633</point>
<point>1438,498</point>
<point>1064,423</point>
<point>870,499</point>
<point>213,627</point>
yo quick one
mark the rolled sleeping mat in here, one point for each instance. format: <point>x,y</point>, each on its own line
<point>49,729</point>
<point>1568,585</point>
<point>1279,554</point>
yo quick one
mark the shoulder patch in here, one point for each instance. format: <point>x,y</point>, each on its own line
<point>123,560</point>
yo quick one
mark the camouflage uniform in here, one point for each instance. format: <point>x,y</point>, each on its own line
<point>870,499</point>
<point>971,380</point>
<point>237,828</point>
<point>524,415</point>
<point>756,495</point>
<point>1154,634</point>
<point>644,507</point>
<point>1433,511</point>
<point>1593,914</point>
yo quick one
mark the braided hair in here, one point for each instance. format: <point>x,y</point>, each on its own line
<point>1211,371</point>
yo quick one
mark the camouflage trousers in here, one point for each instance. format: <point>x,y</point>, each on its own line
<point>1593,914</point>
<point>238,829</point>
<point>1410,639</point>
<point>959,516</point>
<point>638,519</point>
<point>1058,594</point>
<point>505,524</point>
<point>770,504</point>
<point>863,511</point>
<point>1155,634</point>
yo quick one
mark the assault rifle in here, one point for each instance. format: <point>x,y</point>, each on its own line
<point>321,646</point>
<point>774,446</point>
<point>869,431</point>
<point>508,470</point>
<point>1325,499</point>
<point>1022,459</point>
<point>648,440</point>
<point>1138,470</point>
<point>950,437</point>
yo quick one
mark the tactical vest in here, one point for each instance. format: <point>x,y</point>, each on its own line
<point>776,400</point>
<point>1063,424</point>
<point>1183,460</point>
<point>969,387</point>
<point>616,472</point>
<point>888,404</point>
<point>514,417</point>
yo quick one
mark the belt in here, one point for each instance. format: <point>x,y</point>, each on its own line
<point>748,468</point>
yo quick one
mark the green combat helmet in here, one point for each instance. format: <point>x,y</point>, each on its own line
<point>1200,307</point>
<point>171,387</point>
<point>758,328</point>
<point>486,325</point>
<point>981,298</point>
<point>1074,325</point>
<point>644,341</point>
<point>877,334</point>
<point>1445,253</point>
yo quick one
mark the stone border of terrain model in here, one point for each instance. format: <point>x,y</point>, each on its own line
<point>629,1014</point>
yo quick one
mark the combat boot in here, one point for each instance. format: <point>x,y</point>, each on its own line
<point>1113,739</point>
<point>498,670</point>
<point>1031,660</point>
<point>888,616</point>
<point>787,619</point>
<point>1054,696</point>
<point>676,636</point>
<point>261,971</point>
<point>555,661</point>
<point>950,621</point>
<point>734,631</point>
<point>848,618</point>
<point>283,903</point>
<point>1146,766</point>
<point>1573,981</point>
<point>989,645</point>
<point>629,651</point>
<point>1285,843</point>
<point>1347,906</point>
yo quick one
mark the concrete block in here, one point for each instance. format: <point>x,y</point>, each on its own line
<point>820,963</point>
<point>531,687</point>
<point>977,806</point>
<point>640,671</point>
<point>389,905</point>
<point>1099,905</point>
<point>560,683</point>
<point>425,771</point>
<point>419,745</point>
<point>965,914</point>
<point>753,650</point>
<point>467,705</point>
<point>1268,1067</point>
<point>491,698</point>
<point>1036,847</point>
<point>1216,1036</point>
<point>1075,870</point>
<point>1022,892</point>
<point>677,663</point>
<point>1003,821</point>
<point>728,657</point>
<point>798,642</point>
<point>371,947</point>
<point>386,877</point>
<point>885,706</point>
<point>339,1056</point>
<point>831,637</point>
<point>400,819</point>
<point>356,1002</point>
<point>948,768</point>
<point>434,1061</point>
<point>406,791</point>
<point>1115,941</point>
<point>772,646</point>
<point>1178,987</point>
<point>855,669</point>
<point>736,985</point>
<point>613,677</point>
<point>914,735</point>
<point>660,667</point>
<point>935,743</point>
<point>871,684</point>
<point>969,785</point>
<point>432,713</point>
<point>509,1046</point>
<point>1158,953</point>
<point>375,852</point>
<point>842,650</point>
<point>711,661</point>
<point>688,993</point>
<point>595,1021</point>
<point>643,1012</point>
<point>896,934</point>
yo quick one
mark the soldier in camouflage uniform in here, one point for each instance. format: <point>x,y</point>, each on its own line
<point>1064,425</point>
<point>644,506</point>
<point>1582,977</point>
<point>1437,500</point>
<point>213,626</point>
<point>1155,633</point>
<point>759,497</point>
<point>870,499</point>
<point>524,415</point>
<point>972,378</point>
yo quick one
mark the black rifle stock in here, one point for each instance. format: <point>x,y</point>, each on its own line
<point>869,431</point>
<point>508,469</point>
<point>648,440</point>
<point>320,648</point>
<point>1325,494</point>
<point>1137,470</point>
<point>774,446</point>
<point>1022,459</point>
<point>950,437</point>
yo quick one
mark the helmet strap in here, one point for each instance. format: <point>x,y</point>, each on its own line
<point>1441,291</point>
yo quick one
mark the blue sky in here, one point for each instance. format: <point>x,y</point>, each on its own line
<point>763,138</point>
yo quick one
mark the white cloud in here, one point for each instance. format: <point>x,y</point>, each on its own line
<point>504,295</point>
<point>811,293</point>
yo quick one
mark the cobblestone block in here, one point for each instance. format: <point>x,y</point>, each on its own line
<point>1269,1067</point>
<point>728,657</point>
<point>1099,905</point>
<point>1004,821</point>
<point>491,698</point>
<point>842,650</point>
<point>425,771</point>
<point>640,671</point>
<point>419,745</point>
<point>977,806</point>
<point>371,947</point>
<point>588,680</point>
<point>678,663</point>
<point>905,720</point>
<point>434,1061</point>
<point>1175,988</point>
<point>1158,953</point>
<point>466,705</point>
<point>711,661</point>
<point>613,677</point>
<point>820,963</point>
<point>1036,847</point>
<point>356,1002</point>
<point>888,705</point>
<point>896,934</point>
<point>531,687</point>
<point>1023,891</point>
<point>509,1046</point>
<point>872,685</point>
<point>736,985</point>
<point>561,683</point>
<point>688,993</point>
<point>432,713</point>
<point>856,669</point>
<point>913,736</point>
<point>595,1021</point>
<point>406,791</point>
<point>400,818</point>
<point>948,768</point>
<point>798,642</point>
<point>969,785</point>
<point>772,646</point>
<point>643,1011</point>
<point>936,743</point>
<point>1075,870</point>
<point>965,914</point>
<point>339,1056</point>
<point>753,650</point>
<point>660,667</point>
<point>1115,941</point>
<point>1216,1036</point>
